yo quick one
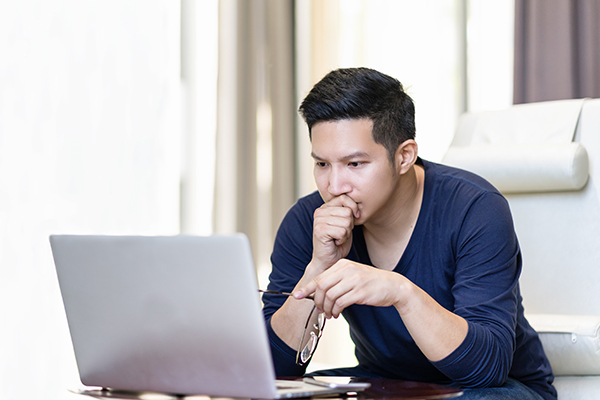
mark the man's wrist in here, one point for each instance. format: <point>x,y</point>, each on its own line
<point>407,295</point>
<point>314,268</point>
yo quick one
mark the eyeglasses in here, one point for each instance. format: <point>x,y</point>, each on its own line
<point>313,330</point>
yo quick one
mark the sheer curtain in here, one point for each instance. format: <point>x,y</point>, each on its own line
<point>557,50</point>
<point>255,170</point>
<point>199,71</point>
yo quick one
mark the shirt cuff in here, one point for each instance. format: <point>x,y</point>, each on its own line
<point>479,361</point>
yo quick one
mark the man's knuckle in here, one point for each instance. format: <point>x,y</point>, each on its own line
<point>330,296</point>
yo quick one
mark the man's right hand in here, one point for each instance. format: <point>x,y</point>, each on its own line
<point>332,240</point>
<point>332,231</point>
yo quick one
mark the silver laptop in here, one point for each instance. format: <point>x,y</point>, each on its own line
<point>178,314</point>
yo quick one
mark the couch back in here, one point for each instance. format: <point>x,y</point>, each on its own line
<point>545,158</point>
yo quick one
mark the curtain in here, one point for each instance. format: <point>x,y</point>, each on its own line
<point>255,120</point>
<point>557,50</point>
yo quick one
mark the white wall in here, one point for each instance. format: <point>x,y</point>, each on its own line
<point>89,143</point>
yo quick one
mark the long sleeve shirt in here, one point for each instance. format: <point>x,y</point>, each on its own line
<point>464,253</point>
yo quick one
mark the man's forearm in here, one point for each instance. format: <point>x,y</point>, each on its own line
<point>437,331</point>
<point>289,321</point>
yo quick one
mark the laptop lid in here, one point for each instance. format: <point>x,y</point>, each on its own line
<point>176,314</point>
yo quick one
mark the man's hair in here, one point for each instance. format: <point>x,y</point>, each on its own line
<point>363,93</point>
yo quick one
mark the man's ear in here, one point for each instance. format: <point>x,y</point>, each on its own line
<point>406,156</point>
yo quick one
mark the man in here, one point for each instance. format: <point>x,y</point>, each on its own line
<point>420,258</point>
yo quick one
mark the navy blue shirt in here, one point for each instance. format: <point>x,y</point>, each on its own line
<point>464,253</point>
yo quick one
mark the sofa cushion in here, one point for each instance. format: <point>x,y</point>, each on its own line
<point>571,342</point>
<point>521,168</point>
<point>578,387</point>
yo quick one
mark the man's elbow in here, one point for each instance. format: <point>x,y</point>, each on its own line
<point>494,373</point>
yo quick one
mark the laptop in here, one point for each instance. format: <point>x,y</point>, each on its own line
<point>170,314</point>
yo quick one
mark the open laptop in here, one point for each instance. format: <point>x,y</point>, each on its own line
<point>170,314</point>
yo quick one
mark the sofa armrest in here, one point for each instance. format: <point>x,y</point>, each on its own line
<point>571,342</point>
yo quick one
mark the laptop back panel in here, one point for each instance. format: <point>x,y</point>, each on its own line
<point>174,314</point>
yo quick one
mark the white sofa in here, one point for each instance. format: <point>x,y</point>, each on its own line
<point>545,158</point>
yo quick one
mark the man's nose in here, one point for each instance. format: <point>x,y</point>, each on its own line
<point>338,182</point>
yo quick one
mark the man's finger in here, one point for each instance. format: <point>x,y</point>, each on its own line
<point>306,290</point>
<point>344,201</point>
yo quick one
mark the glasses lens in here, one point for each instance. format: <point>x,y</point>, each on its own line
<point>310,337</point>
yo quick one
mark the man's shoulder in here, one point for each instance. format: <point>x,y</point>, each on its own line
<point>445,177</point>
<point>310,202</point>
<point>296,226</point>
<point>454,193</point>
<point>303,210</point>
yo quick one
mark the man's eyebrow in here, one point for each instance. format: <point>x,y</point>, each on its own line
<point>357,154</point>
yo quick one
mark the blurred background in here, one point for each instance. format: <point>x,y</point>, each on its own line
<point>164,117</point>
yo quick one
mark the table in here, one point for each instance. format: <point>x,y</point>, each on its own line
<point>388,389</point>
<point>393,389</point>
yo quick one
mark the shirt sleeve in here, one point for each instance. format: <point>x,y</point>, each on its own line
<point>486,293</point>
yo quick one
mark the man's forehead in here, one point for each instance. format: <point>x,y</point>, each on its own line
<point>341,130</point>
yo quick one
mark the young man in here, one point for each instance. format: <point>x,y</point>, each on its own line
<point>421,259</point>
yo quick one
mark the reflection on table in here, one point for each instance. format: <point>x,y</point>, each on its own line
<point>389,389</point>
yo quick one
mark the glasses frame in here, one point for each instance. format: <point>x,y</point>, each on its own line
<point>311,345</point>
<point>304,354</point>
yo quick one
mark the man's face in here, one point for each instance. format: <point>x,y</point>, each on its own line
<point>349,162</point>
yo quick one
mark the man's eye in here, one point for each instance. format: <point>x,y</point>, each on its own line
<point>355,164</point>
<point>321,164</point>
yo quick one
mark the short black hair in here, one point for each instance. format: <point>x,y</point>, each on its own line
<point>363,93</point>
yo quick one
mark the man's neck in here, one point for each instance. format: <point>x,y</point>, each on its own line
<point>396,224</point>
